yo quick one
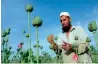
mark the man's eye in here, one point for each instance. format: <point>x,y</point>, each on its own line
<point>64,19</point>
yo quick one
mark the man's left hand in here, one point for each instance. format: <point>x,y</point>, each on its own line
<point>66,46</point>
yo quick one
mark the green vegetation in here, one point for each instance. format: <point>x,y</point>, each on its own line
<point>28,56</point>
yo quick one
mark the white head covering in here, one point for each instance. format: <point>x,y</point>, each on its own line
<point>64,13</point>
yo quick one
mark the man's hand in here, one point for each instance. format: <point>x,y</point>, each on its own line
<point>66,46</point>
<point>50,39</point>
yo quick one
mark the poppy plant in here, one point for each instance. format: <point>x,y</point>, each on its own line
<point>37,22</point>
<point>19,46</point>
<point>75,57</point>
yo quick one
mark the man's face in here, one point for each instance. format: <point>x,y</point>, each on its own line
<point>65,21</point>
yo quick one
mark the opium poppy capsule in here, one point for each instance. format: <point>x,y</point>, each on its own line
<point>7,32</point>
<point>5,50</point>
<point>27,35</point>
<point>3,33</point>
<point>29,8</point>
<point>24,31</point>
<point>38,45</point>
<point>18,49</point>
<point>10,47</point>
<point>88,39</point>
<point>21,53</point>
<point>92,26</point>
<point>6,39</point>
<point>76,37</point>
<point>44,53</point>
<point>21,43</point>
<point>34,45</point>
<point>56,38</point>
<point>41,47</point>
<point>9,29</point>
<point>51,46</point>
<point>37,22</point>
<point>3,42</point>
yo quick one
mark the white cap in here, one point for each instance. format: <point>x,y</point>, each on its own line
<point>65,14</point>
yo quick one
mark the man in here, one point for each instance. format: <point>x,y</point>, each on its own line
<point>71,42</point>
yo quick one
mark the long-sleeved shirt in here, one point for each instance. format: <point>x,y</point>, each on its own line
<point>67,56</point>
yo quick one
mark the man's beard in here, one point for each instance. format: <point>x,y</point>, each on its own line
<point>66,28</point>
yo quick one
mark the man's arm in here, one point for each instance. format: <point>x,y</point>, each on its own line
<point>57,49</point>
<point>51,41</point>
<point>83,45</point>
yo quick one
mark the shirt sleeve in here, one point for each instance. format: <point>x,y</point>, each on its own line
<point>83,45</point>
<point>59,43</point>
<point>82,35</point>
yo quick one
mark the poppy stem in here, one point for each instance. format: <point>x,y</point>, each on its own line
<point>37,51</point>
<point>7,42</point>
<point>27,43</point>
<point>3,52</point>
<point>51,53</point>
<point>41,52</point>
<point>95,33</point>
<point>23,37</point>
<point>27,46</point>
<point>21,56</point>
<point>29,34</point>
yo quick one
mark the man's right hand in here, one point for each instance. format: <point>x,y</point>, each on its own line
<point>50,39</point>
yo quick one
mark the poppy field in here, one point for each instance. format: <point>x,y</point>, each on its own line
<point>28,56</point>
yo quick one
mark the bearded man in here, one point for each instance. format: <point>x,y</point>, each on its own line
<point>71,42</point>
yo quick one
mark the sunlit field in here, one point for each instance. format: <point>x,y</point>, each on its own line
<point>27,50</point>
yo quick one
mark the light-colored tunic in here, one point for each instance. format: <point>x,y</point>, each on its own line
<point>81,42</point>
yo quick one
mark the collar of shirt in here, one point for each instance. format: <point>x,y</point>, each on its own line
<point>73,28</point>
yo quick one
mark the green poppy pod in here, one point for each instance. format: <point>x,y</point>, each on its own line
<point>10,47</point>
<point>56,38</point>
<point>12,52</point>
<point>37,22</point>
<point>88,39</point>
<point>41,47</point>
<point>34,45</point>
<point>29,8</point>
<point>1,51</point>
<point>14,56</point>
<point>38,46</point>
<point>18,49</point>
<point>21,53</point>
<point>5,50</point>
<point>76,37</point>
<point>58,55</point>
<point>21,43</point>
<point>51,46</point>
<point>44,53</point>
<point>56,51</point>
<point>9,29</point>
<point>24,31</point>
<point>6,39</point>
<point>3,34</point>
<point>3,42</point>
<point>7,32</point>
<point>92,26</point>
<point>27,35</point>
